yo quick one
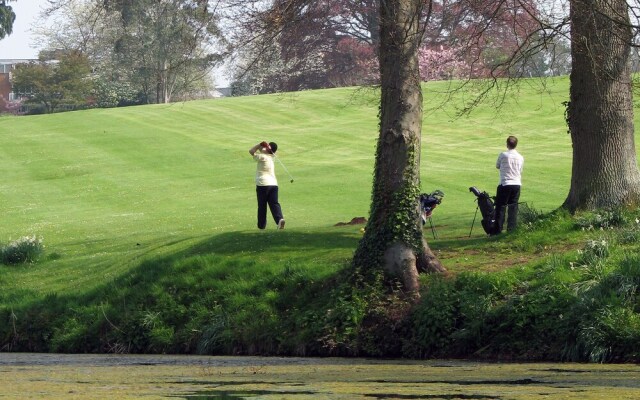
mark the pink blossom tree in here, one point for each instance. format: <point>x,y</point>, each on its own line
<point>442,63</point>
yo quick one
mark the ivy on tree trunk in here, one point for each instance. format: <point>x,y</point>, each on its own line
<point>393,239</point>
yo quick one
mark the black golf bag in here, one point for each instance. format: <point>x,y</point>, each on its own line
<point>429,201</point>
<point>487,209</point>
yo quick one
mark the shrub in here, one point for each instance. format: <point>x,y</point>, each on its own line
<point>215,334</point>
<point>603,219</point>
<point>631,234</point>
<point>434,319</point>
<point>627,278</point>
<point>591,264</point>
<point>528,215</point>
<point>531,324</point>
<point>613,335</point>
<point>27,249</point>
<point>595,249</point>
<point>343,321</point>
<point>385,326</point>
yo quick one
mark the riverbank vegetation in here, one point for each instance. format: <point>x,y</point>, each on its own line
<point>146,215</point>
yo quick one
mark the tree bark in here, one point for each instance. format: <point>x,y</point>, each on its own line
<point>393,238</point>
<point>600,112</point>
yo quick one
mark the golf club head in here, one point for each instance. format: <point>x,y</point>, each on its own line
<point>292,181</point>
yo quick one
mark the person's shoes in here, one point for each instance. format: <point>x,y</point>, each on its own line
<point>281,224</point>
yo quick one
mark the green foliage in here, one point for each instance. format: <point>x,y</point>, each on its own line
<point>601,219</point>
<point>7,18</point>
<point>54,85</point>
<point>113,94</point>
<point>626,280</point>
<point>365,319</point>
<point>386,325</point>
<point>26,249</point>
<point>611,335</point>
<point>68,336</point>
<point>175,50</point>
<point>630,233</point>
<point>492,316</point>
<point>533,323</point>
<point>528,216</point>
<point>344,317</point>
<point>584,308</point>
<point>214,332</point>
<point>435,319</point>
<point>607,303</point>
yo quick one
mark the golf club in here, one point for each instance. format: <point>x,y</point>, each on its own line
<point>285,168</point>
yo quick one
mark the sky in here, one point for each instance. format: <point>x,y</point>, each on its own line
<point>18,44</point>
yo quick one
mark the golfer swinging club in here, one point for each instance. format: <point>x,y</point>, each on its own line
<point>266,183</point>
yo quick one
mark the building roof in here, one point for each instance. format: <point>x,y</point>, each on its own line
<point>16,60</point>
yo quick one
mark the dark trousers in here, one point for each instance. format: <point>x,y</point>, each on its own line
<point>268,195</point>
<point>507,196</point>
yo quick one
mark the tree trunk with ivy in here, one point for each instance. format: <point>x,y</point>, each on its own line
<point>600,114</point>
<point>393,239</point>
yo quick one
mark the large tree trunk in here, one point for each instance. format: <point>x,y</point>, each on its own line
<point>393,238</point>
<point>600,114</point>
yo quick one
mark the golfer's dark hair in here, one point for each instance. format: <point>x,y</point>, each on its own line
<point>274,146</point>
<point>512,142</point>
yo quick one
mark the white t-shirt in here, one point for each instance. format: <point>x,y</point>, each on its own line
<point>265,171</point>
<point>510,164</point>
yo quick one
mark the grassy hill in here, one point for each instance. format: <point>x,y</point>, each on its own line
<point>107,188</point>
<point>158,202</point>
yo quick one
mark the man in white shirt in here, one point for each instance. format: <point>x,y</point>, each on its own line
<point>266,184</point>
<point>510,164</point>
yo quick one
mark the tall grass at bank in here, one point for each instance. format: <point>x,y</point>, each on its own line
<point>148,216</point>
<point>247,294</point>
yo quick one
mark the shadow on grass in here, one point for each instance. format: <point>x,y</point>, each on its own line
<point>244,281</point>
<point>275,241</point>
<point>459,243</point>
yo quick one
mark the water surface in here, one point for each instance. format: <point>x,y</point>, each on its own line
<point>57,376</point>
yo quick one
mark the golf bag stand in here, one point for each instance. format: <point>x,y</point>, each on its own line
<point>487,210</point>
<point>433,229</point>
<point>427,203</point>
<point>474,221</point>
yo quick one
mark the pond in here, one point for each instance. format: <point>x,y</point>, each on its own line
<point>57,376</point>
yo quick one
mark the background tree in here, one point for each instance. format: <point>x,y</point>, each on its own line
<point>52,84</point>
<point>600,112</point>
<point>335,43</point>
<point>163,50</point>
<point>442,64</point>
<point>485,32</point>
<point>326,43</point>
<point>166,44</point>
<point>88,28</point>
<point>7,18</point>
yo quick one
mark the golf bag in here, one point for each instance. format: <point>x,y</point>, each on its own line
<point>429,201</point>
<point>487,209</point>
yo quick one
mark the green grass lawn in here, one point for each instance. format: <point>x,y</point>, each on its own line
<point>109,188</point>
<point>159,201</point>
